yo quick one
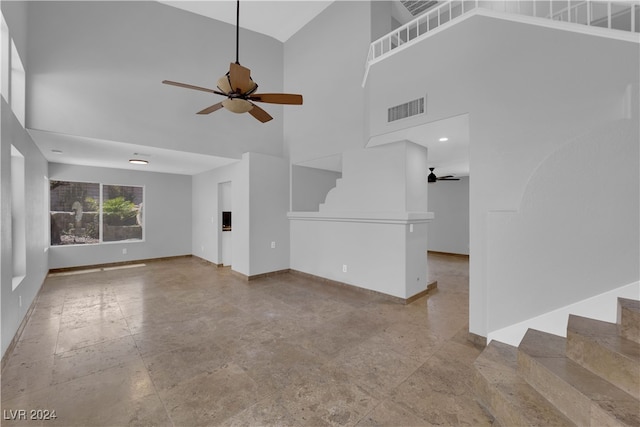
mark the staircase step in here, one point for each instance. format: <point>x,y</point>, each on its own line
<point>597,346</point>
<point>581,395</point>
<point>506,395</point>
<point>629,318</point>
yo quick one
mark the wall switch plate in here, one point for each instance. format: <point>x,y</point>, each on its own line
<point>20,300</point>
<point>344,268</point>
<point>124,251</point>
<point>410,228</point>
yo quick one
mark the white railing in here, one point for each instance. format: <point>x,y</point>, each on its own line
<point>615,15</point>
<point>420,26</point>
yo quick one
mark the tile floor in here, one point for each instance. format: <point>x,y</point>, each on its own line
<point>183,343</point>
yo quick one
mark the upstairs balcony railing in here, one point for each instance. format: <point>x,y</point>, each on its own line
<point>614,15</point>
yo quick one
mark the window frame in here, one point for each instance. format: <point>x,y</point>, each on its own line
<point>101,241</point>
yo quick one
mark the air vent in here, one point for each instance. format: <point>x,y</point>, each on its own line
<point>402,111</point>
<point>417,7</point>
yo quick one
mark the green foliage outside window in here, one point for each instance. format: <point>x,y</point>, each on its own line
<point>119,211</point>
<point>91,205</point>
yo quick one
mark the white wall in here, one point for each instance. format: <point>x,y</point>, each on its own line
<point>167,210</point>
<point>15,13</point>
<point>374,222</point>
<point>528,90</point>
<point>309,187</point>
<point>260,194</point>
<point>206,224</point>
<point>324,61</point>
<point>15,303</point>
<point>449,229</point>
<point>380,253</point>
<point>113,56</point>
<point>573,233</point>
<point>225,201</point>
<point>241,203</point>
<point>268,206</point>
<point>381,19</point>
<point>385,178</point>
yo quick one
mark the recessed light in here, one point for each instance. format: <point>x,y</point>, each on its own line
<point>138,161</point>
<point>443,139</point>
<point>56,151</point>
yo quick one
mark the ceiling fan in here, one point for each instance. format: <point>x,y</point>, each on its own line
<point>433,178</point>
<point>239,88</point>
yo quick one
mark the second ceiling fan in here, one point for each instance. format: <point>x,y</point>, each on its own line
<point>433,178</point>
<point>239,88</point>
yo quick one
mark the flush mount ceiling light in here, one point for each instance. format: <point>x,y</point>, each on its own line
<point>138,161</point>
<point>443,139</point>
<point>56,151</point>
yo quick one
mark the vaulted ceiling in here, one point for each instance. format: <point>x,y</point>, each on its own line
<point>96,98</point>
<point>277,19</point>
<point>95,70</point>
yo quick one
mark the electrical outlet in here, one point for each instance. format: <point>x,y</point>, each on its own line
<point>124,251</point>
<point>273,245</point>
<point>344,268</point>
<point>410,228</point>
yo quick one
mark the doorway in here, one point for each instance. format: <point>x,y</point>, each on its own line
<point>225,223</point>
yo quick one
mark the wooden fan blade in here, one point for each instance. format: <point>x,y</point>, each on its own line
<point>277,98</point>
<point>240,78</point>
<point>445,177</point>
<point>260,114</point>
<point>209,110</point>
<point>184,85</point>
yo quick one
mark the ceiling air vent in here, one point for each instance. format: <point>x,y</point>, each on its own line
<point>408,109</point>
<point>417,7</point>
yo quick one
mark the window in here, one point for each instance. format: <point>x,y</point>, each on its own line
<point>90,213</point>
<point>122,213</point>
<point>18,84</point>
<point>74,211</point>
<point>47,233</point>
<point>5,43</point>
<point>18,212</point>
<point>12,74</point>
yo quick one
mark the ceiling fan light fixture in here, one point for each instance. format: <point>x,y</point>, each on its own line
<point>238,87</point>
<point>237,105</point>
